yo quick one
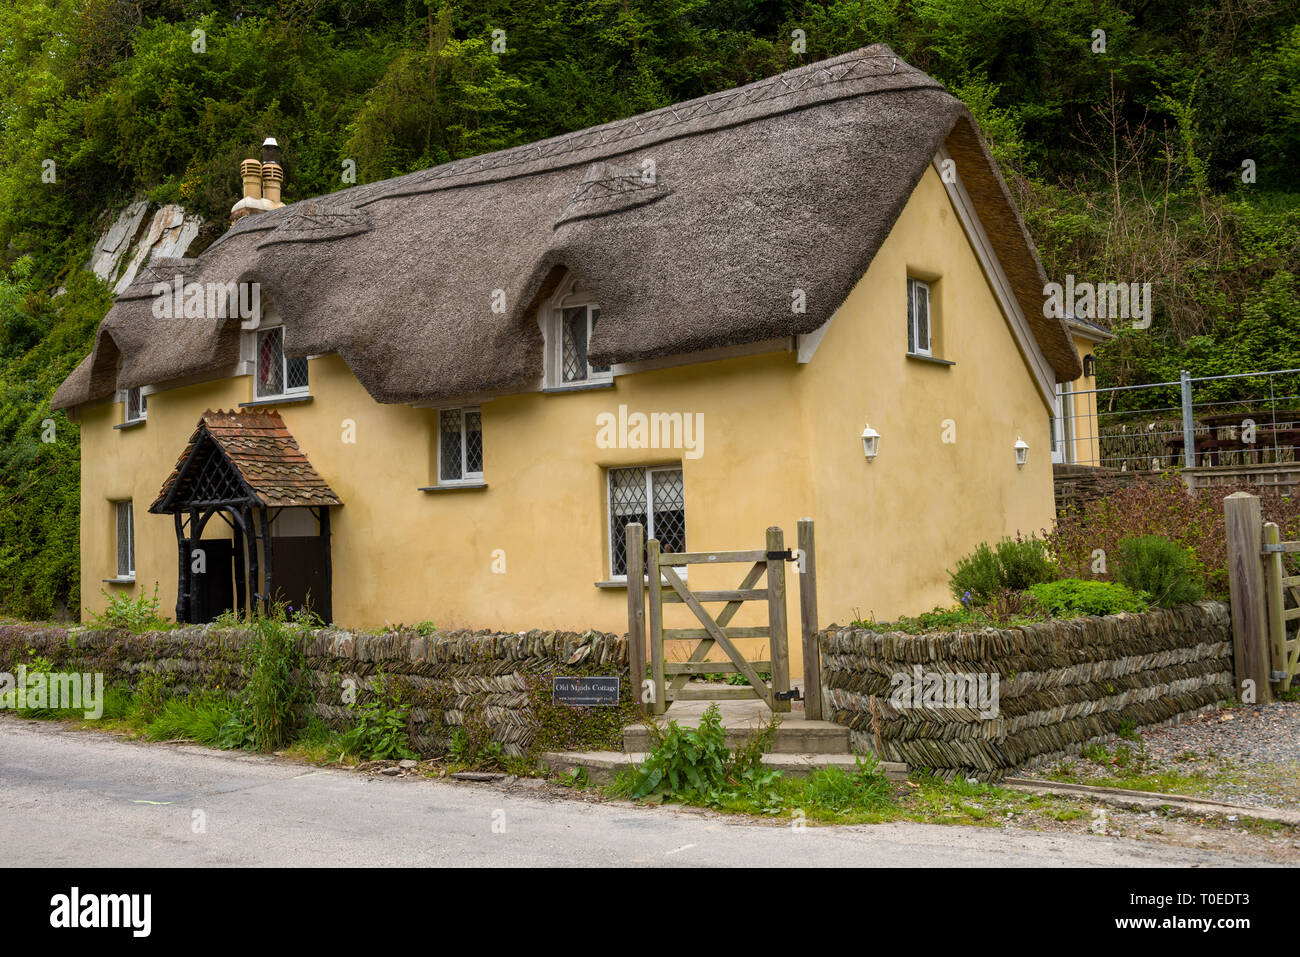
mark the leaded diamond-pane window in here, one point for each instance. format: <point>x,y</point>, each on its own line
<point>576,326</point>
<point>136,405</point>
<point>460,445</point>
<point>277,374</point>
<point>654,497</point>
<point>125,540</point>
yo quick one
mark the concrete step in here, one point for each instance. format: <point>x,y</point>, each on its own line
<point>603,766</point>
<point>794,736</point>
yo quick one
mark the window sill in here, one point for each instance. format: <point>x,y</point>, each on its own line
<point>118,581</point>
<point>579,387</point>
<point>454,487</point>
<point>130,425</point>
<point>622,582</point>
<point>277,400</point>
<point>931,359</point>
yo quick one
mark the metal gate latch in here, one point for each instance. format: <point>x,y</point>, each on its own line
<point>793,695</point>
<point>786,556</point>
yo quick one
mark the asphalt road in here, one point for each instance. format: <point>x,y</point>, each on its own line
<point>75,798</point>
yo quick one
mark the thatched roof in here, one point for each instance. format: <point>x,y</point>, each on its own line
<point>789,183</point>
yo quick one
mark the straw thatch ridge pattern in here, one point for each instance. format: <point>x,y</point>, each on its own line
<point>791,183</point>
<point>1062,685</point>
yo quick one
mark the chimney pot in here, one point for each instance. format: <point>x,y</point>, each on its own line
<point>250,171</point>
<point>272,179</point>
<point>271,151</point>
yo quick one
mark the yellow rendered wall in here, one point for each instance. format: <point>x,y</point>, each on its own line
<point>780,442</point>
<point>1086,443</point>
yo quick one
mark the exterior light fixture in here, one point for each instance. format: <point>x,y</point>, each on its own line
<point>1022,452</point>
<point>870,443</point>
<point>1090,366</point>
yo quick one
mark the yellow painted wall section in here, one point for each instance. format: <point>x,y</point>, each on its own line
<point>1083,401</point>
<point>889,529</point>
<point>780,441</point>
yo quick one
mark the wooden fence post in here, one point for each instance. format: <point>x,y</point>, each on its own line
<point>812,659</point>
<point>777,634</point>
<point>656,615</point>
<point>635,543</point>
<point>1244,525</point>
<point>1273,575</point>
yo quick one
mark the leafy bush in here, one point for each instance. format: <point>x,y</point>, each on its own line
<point>1164,570</point>
<point>380,731</point>
<point>1073,597</point>
<point>1163,507</point>
<point>1012,565</point>
<point>135,614</point>
<point>694,765</point>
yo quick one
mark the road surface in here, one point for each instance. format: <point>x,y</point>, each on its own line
<point>77,798</point>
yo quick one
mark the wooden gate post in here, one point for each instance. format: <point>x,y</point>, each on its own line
<point>635,543</point>
<point>656,626</point>
<point>1244,525</point>
<point>812,658</point>
<point>777,634</point>
<point>1273,575</point>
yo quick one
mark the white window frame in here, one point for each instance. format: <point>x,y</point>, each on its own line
<point>913,325</point>
<point>466,476</point>
<point>1063,424</point>
<point>650,510</point>
<point>118,573</point>
<point>126,406</point>
<point>571,295</point>
<point>287,390</point>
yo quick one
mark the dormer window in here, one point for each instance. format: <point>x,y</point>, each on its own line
<point>137,405</point>
<point>278,375</point>
<point>572,318</point>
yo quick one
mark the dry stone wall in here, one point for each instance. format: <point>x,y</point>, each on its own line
<point>1061,685</point>
<point>491,683</point>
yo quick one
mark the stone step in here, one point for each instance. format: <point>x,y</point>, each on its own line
<point>603,766</point>
<point>794,736</point>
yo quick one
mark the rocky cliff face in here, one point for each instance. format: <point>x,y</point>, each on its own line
<point>128,244</point>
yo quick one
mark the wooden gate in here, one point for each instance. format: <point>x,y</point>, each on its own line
<point>665,581</point>
<point>1284,632</point>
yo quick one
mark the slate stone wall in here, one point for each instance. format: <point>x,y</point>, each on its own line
<point>489,683</point>
<point>1061,686</point>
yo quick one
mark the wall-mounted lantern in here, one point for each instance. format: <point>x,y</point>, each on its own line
<point>1022,452</point>
<point>1090,366</point>
<point>870,443</point>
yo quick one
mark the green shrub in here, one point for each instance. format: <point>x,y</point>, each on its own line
<point>1073,597</point>
<point>1012,565</point>
<point>976,578</point>
<point>694,765</point>
<point>380,731</point>
<point>1023,562</point>
<point>136,615</point>
<point>1166,571</point>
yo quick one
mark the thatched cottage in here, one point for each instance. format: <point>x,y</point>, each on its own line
<point>810,296</point>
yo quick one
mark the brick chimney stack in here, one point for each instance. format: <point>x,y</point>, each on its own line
<point>262,180</point>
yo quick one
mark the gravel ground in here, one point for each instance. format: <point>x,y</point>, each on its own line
<point>1247,755</point>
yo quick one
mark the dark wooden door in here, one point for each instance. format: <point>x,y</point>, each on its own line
<point>301,575</point>
<point>214,587</point>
